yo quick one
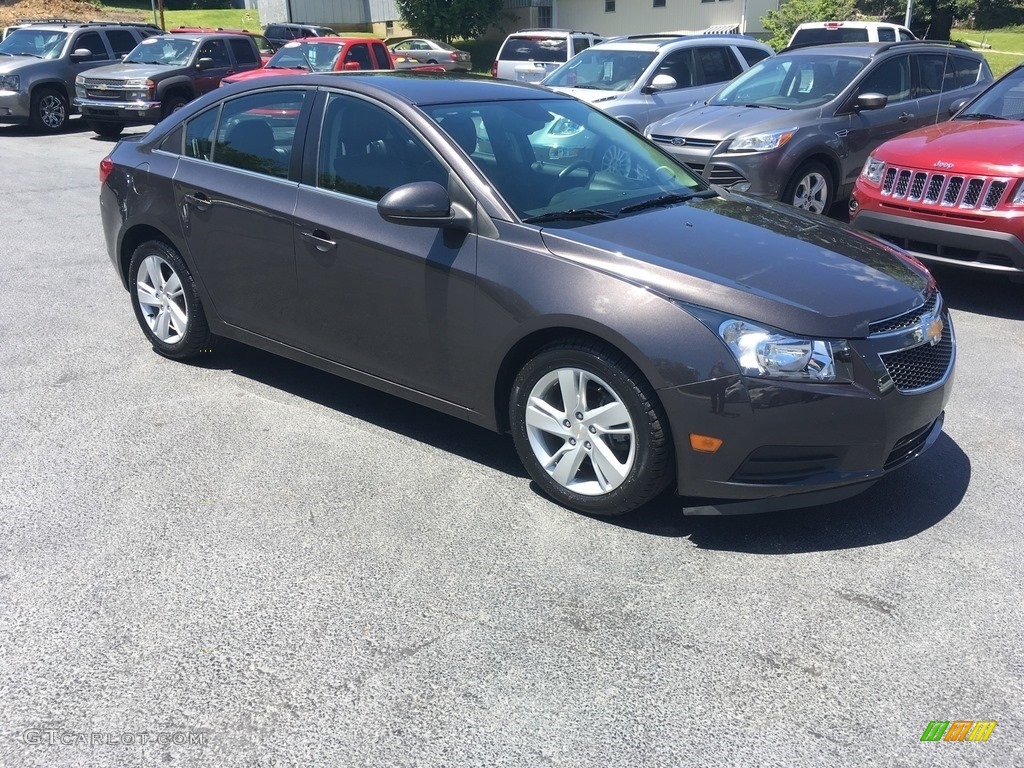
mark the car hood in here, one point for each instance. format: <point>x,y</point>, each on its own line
<point>988,147</point>
<point>763,261</point>
<point>715,122</point>
<point>14,63</point>
<point>589,95</point>
<point>241,77</point>
<point>126,71</point>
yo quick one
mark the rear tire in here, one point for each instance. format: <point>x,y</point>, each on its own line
<point>49,110</point>
<point>166,301</point>
<point>589,428</point>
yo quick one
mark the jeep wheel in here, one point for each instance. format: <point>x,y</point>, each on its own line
<point>49,110</point>
<point>106,130</point>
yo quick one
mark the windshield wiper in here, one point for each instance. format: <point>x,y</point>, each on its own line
<point>578,214</point>
<point>670,199</point>
<point>979,116</point>
<point>766,106</point>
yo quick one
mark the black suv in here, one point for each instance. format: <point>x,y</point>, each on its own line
<point>279,34</point>
<point>160,76</point>
<point>39,62</point>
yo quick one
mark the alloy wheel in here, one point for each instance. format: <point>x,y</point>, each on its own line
<point>162,300</point>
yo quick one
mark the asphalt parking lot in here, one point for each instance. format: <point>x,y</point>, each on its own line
<point>246,562</point>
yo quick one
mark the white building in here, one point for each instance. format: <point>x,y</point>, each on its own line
<point>606,17</point>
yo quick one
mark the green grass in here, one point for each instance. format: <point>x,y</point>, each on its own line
<point>1003,48</point>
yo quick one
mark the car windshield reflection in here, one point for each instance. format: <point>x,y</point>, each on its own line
<point>562,157</point>
<point>791,83</point>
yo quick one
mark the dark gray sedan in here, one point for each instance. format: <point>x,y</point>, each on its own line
<point>631,332</point>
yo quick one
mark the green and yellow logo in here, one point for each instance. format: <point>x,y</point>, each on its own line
<point>958,730</point>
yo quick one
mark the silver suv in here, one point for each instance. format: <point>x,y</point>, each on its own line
<point>531,54</point>
<point>39,63</point>
<point>798,127</point>
<point>643,78</point>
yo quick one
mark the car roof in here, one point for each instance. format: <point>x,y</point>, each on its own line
<point>869,50</point>
<point>418,88</point>
<point>657,42</point>
<point>330,39</point>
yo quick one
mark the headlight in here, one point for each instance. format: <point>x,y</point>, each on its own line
<point>137,82</point>
<point>873,170</point>
<point>762,142</point>
<point>563,126</point>
<point>10,83</point>
<point>80,80</point>
<point>762,352</point>
<point>1018,198</point>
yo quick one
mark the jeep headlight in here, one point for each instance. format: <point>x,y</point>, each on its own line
<point>1018,198</point>
<point>10,82</point>
<point>873,170</point>
<point>770,354</point>
<point>761,142</point>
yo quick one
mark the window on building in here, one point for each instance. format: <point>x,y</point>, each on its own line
<point>659,3</point>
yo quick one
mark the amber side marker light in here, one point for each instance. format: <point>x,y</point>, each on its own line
<point>705,443</point>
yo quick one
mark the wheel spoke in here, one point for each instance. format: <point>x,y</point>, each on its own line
<point>178,318</point>
<point>173,287</point>
<point>609,471</point>
<point>569,464</point>
<point>156,277</point>
<point>146,294</point>
<point>611,418</point>
<point>160,329</point>
<point>545,417</point>
<point>569,382</point>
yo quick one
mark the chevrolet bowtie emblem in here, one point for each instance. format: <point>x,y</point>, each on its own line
<point>934,332</point>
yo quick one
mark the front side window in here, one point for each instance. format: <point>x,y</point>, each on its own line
<point>217,52</point>
<point>890,78</point>
<point>366,151</point>
<point>92,42</point>
<point>316,57</point>
<point>359,55</point>
<point>680,66</point>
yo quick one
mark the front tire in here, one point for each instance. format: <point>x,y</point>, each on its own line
<point>49,110</point>
<point>589,428</point>
<point>166,301</point>
<point>810,189</point>
<point>172,104</point>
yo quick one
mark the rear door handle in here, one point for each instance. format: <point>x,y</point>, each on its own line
<point>320,239</point>
<point>199,201</point>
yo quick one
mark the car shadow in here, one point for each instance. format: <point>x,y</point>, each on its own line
<point>980,292</point>
<point>901,505</point>
<point>366,404</point>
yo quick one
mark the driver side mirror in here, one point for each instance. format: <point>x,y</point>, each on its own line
<point>660,83</point>
<point>351,66</point>
<point>81,54</point>
<point>957,105</point>
<point>423,204</point>
<point>869,101</point>
<point>204,63</point>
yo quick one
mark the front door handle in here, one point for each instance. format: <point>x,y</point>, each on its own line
<point>320,239</point>
<point>904,117</point>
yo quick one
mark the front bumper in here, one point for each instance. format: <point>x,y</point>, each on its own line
<point>765,174</point>
<point>945,243</point>
<point>140,112</point>
<point>14,107</point>
<point>788,445</point>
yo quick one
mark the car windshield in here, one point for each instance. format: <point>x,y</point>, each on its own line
<point>175,51</point>
<point>30,41</point>
<point>601,69</point>
<point>1004,100</point>
<point>562,161</point>
<point>791,82</point>
<point>317,57</point>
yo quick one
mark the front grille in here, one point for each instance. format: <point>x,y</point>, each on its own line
<point>907,447</point>
<point>908,320</point>
<point>922,366</point>
<point>944,190</point>
<point>787,464</point>
<point>723,175</point>
<point>105,95</point>
<point>93,82</point>
<point>661,138</point>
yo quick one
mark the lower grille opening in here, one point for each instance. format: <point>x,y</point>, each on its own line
<point>907,447</point>
<point>787,463</point>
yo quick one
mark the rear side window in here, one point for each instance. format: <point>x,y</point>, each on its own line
<point>121,41</point>
<point>243,51</point>
<point>534,49</point>
<point>753,55</point>
<point>886,35</point>
<point>257,132</point>
<point>380,55</point>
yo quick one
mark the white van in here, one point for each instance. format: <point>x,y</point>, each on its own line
<point>825,32</point>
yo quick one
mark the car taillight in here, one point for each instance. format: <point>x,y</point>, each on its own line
<point>494,68</point>
<point>454,55</point>
<point>106,166</point>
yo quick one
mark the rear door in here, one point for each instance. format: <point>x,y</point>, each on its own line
<point>235,191</point>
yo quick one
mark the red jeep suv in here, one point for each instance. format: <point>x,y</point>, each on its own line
<point>954,192</point>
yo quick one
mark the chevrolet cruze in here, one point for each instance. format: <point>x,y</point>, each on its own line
<point>632,333</point>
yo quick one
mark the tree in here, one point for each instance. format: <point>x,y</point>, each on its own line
<point>791,14</point>
<point>449,20</point>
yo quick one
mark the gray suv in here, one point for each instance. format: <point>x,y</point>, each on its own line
<point>39,63</point>
<point>643,78</point>
<point>798,127</point>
